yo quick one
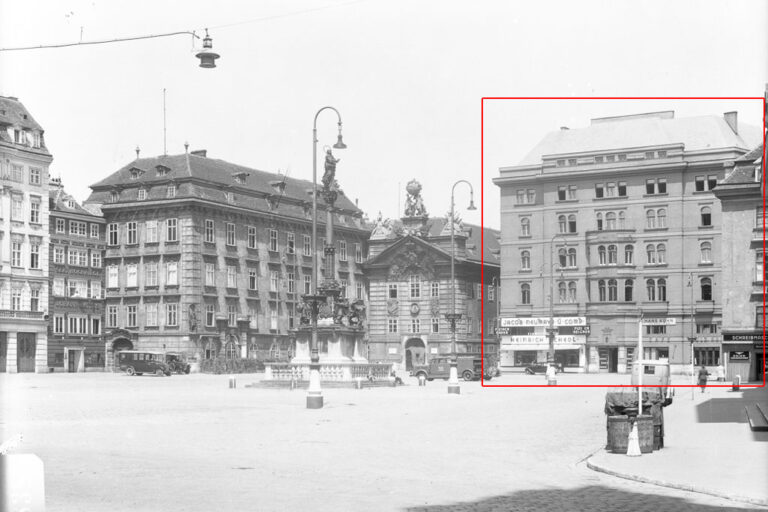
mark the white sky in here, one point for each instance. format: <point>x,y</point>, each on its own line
<point>406,76</point>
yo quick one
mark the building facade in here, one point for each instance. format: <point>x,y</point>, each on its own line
<point>409,274</point>
<point>76,315</point>
<point>741,194</point>
<point>210,258</point>
<point>608,224</point>
<point>24,162</point>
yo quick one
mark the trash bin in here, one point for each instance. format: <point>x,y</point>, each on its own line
<point>618,433</point>
<point>622,402</point>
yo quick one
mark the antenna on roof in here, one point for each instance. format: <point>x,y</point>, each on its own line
<point>165,149</point>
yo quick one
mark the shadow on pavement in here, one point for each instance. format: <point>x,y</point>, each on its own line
<point>592,498</point>
<point>731,409</point>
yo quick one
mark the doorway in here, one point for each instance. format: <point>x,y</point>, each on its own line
<point>414,353</point>
<point>25,351</point>
<point>3,351</point>
<point>760,368</point>
<point>609,360</point>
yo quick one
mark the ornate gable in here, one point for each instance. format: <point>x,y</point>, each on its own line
<point>410,256</point>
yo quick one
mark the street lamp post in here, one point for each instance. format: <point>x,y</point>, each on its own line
<point>453,317</point>
<point>692,337</point>
<point>552,330</point>
<point>314,392</point>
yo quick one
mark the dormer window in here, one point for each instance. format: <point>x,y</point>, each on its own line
<point>271,203</point>
<point>113,196</point>
<point>19,137</point>
<point>162,170</point>
<point>758,173</point>
<point>37,139</point>
<point>142,194</point>
<point>229,197</point>
<point>240,177</point>
<point>170,190</point>
<point>136,173</point>
<point>71,203</point>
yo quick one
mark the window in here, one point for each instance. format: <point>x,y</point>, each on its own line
<point>209,233</point>
<point>470,324</point>
<point>562,257</point>
<point>343,284</point>
<point>359,292</point>
<point>210,274</point>
<point>17,207</point>
<point>58,324</point>
<point>358,253</point>
<point>599,221</point>
<point>291,246</point>
<point>229,197</point>
<point>231,276</point>
<point>392,325</point>
<point>131,231</point>
<point>629,251</point>
<point>599,190</point>
<point>230,233</point>
<point>711,182</point>
<point>759,267</point>
<point>661,254</point>
<point>525,226</point>
<point>16,254</point>
<point>171,231</point>
<point>650,186</point>
<point>661,185</point>
<point>650,219</point>
<point>232,315</point>
<point>656,329</point>
<point>150,228</point>
<point>612,255</point>
<point>58,255</point>
<point>530,196</point>
<point>705,249</point>
<point>171,274</point>
<point>561,193</point>
<point>434,289</point>
<point>415,282</point>
<point>34,212</point>
<point>435,325</point>
<point>251,237</point>
<point>94,231</point>
<point>307,284</point>
<point>95,290</point>
<point>151,314</point>
<point>415,325</point>
<point>273,240</point>
<point>130,316</point>
<point>114,196</point>
<point>525,260</point>
<point>78,288</point>
<point>150,274</point>
<point>571,223</point>
<point>612,290</point>
<point>34,300</point>
<point>661,218</point>
<point>78,228</point>
<point>273,318</point>
<point>35,174</point>
<point>602,255</point>
<point>142,195</point>
<point>111,316</point>
<point>572,192</point>
<point>598,159</point>
<point>628,285</point>
<point>112,276</point>
<point>700,184</point>
<point>492,293</point>
<point>60,226</point>
<point>170,191</point>
<point>622,157</point>
<point>610,189</point>
<point>131,276</point>
<point>706,329</point>
<point>562,223</point>
<point>759,218</point>
<point>291,282</point>
<point>34,255</point>
<point>342,250</point>
<point>392,290</point>
<point>601,290</point>
<point>706,356</point>
<point>16,299</point>
<point>307,241</point>
<point>610,220</point>
<point>172,314</point>
<point>253,280</point>
<point>77,257</point>
<point>274,280</point>
<point>525,293</point>
<point>622,189</point>
<point>210,315</point>
<point>706,288</point>
<point>706,216</point>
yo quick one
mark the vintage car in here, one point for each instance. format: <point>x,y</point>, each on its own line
<point>177,363</point>
<point>468,367</point>
<point>534,368</point>
<point>138,362</point>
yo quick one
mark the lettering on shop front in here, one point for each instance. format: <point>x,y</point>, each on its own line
<point>526,340</point>
<point>543,322</point>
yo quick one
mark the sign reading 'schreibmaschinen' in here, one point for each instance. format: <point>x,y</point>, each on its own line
<point>543,322</point>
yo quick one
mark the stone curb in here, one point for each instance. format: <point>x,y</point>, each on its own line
<point>673,485</point>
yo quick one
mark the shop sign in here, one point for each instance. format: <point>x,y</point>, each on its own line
<point>744,337</point>
<point>581,329</point>
<point>659,321</point>
<point>741,355</point>
<point>540,340</point>
<point>759,346</point>
<point>543,321</point>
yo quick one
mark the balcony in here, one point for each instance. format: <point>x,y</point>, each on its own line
<point>13,313</point>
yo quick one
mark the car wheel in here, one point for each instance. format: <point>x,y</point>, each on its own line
<point>130,371</point>
<point>187,369</point>
<point>529,371</point>
<point>467,375</point>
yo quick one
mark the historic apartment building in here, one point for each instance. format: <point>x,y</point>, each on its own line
<point>24,162</point>
<point>409,275</point>
<point>76,315</point>
<point>606,223</point>
<point>741,194</point>
<point>211,258</point>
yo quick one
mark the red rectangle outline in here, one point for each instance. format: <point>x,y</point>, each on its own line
<point>482,231</point>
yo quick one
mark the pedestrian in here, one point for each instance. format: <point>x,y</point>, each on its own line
<point>703,374</point>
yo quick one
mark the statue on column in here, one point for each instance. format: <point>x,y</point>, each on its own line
<point>330,186</point>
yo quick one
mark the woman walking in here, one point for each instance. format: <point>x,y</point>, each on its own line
<point>703,374</point>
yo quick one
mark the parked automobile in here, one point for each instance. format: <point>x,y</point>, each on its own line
<point>138,362</point>
<point>468,367</point>
<point>533,368</point>
<point>177,363</point>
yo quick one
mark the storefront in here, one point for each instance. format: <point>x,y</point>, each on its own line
<point>524,341</point>
<point>743,356</point>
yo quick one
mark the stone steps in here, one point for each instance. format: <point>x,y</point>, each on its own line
<point>758,420</point>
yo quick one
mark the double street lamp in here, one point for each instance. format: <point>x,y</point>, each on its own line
<point>453,317</point>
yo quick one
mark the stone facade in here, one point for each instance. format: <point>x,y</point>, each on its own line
<point>24,162</point>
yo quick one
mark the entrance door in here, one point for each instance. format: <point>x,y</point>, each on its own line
<point>760,366</point>
<point>414,353</point>
<point>72,361</point>
<point>25,351</point>
<point>3,351</point>
<point>609,360</point>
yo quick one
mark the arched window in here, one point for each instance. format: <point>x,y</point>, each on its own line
<point>661,253</point>
<point>253,350</point>
<point>525,260</point>
<point>612,290</point>
<point>599,221</point>
<point>650,251</point>
<point>562,256</point>
<point>562,292</point>
<point>706,288</point>
<point>661,289</point>
<point>601,255</point>
<point>613,256</point>
<point>571,257</point>
<point>572,291</point>
<point>706,216</point>
<point>601,290</point>
<point>621,220</point>
<point>706,252</point>
<point>628,284</point>
<point>650,219</point>
<point>650,288</point>
<point>562,223</point>
<point>525,293</point>
<point>210,350</point>
<point>572,223</point>
<point>230,350</point>
<point>610,220</point>
<point>629,252</point>
<point>525,226</point>
<point>661,218</point>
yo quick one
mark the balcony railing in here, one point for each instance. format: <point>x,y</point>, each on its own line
<point>13,313</point>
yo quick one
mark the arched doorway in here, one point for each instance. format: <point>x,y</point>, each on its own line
<point>121,344</point>
<point>415,352</point>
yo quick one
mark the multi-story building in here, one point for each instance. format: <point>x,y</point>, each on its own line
<point>24,162</point>
<point>211,258</point>
<point>76,315</point>
<point>409,275</point>
<point>741,194</point>
<point>604,224</point>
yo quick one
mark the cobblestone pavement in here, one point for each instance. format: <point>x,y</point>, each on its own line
<point>112,442</point>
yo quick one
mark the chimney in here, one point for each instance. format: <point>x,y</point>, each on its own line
<point>200,152</point>
<point>564,128</point>
<point>732,118</point>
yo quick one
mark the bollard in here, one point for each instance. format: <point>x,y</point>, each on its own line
<point>736,383</point>
<point>232,383</point>
<point>293,384</point>
<point>552,382</point>
<point>358,383</point>
<point>422,380</point>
